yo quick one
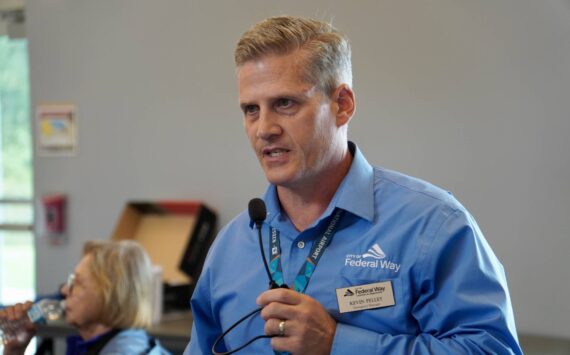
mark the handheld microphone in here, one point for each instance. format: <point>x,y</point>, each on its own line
<point>258,213</point>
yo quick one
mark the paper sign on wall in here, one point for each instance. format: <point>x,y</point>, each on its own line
<point>56,130</point>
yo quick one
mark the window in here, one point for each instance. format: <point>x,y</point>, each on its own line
<point>17,253</point>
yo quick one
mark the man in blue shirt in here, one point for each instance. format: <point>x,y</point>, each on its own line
<point>376,261</point>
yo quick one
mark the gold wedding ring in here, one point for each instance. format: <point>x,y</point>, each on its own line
<point>282,328</point>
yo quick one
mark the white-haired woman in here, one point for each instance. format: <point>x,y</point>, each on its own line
<point>108,300</point>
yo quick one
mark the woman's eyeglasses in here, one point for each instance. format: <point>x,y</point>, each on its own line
<point>70,282</point>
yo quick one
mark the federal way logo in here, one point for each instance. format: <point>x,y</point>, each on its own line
<point>348,293</point>
<point>374,258</point>
<point>375,252</point>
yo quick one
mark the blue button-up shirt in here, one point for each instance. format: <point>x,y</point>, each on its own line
<point>449,288</point>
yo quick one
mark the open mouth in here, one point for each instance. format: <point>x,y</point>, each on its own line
<point>274,153</point>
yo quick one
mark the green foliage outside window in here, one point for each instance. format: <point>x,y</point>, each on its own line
<point>15,133</point>
<point>17,253</point>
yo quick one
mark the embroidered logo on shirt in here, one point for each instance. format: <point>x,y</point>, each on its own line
<point>374,258</point>
<point>375,252</point>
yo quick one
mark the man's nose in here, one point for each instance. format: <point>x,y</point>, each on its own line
<point>268,125</point>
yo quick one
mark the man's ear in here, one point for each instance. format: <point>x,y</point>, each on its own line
<point>345,105</point>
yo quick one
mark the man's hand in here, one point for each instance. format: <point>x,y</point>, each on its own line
<point>308,328</point>
<point>15,313</point>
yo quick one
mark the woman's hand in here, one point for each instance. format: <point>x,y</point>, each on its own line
<point>18,312</point>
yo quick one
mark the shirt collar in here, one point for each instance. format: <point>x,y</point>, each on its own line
<point>355,193</point>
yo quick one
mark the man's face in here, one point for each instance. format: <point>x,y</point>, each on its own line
<point>289,122</point>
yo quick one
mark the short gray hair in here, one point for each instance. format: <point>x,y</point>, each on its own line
<point>328,54</point>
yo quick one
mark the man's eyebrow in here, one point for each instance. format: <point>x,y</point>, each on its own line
<point>295,95</point>
<point>243,105</point>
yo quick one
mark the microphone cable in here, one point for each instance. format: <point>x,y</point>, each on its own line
<point>257,213</point>
<point>221,337</point>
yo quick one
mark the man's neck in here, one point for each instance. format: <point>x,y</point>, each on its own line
<point>305,204</point>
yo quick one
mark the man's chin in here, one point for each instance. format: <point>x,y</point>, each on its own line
<point>279,178</point>
<point>278,181</point>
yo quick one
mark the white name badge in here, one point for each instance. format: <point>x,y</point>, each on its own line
<point>358,298</point>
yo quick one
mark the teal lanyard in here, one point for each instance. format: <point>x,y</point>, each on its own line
<point>308,268</point>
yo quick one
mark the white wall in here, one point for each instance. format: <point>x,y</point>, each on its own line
<point>471,95</point>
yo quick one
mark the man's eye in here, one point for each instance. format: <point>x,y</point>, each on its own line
<point>284,103</point>
<point>250,110</point>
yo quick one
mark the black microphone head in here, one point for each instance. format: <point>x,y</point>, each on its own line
<point>257,211</point>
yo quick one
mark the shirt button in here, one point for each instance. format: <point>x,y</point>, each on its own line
<point>301,245</point>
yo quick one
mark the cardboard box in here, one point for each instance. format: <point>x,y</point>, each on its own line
<point>177,236</point>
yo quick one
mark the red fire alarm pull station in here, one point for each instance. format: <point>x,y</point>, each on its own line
<point>54,211</point>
